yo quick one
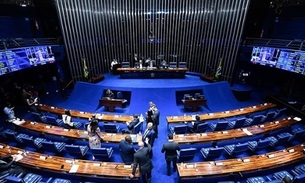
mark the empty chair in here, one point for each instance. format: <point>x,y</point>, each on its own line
<point>258,145</point>
<point>182,65</point>
<point>186,154</point>
<point>281,139</point>
<point>54,121</point>
<point>197,95</point>
<point>125,65</point>
<point>300,169</point>
<point>200,128</point>
<point>58,180</point>
<point>187,96</point>
<point>102,153</point>
<point>120,95</point>
<point>280,113</point>
<point>261,180</point>
<point>76,150</point>
<point>226,182</point>
<point>269,116</point>
<point>172,64</point>
<point>38,116</point>
<point>30,141</point>
<point>297,133</point>
<point>281,174</point>
<point>28,178</point>
<point>211,153</point>
<point>178,129</point>
<point>255,120</point>
<point>223,125</point>
<point>11,134</point>
<point>236,149</point>
<point>53,146</point>
<point>111,128</point>
<point>238,123</point>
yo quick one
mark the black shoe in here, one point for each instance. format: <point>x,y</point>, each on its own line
<point>168,173</point>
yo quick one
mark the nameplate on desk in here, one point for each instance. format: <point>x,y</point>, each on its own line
<point>246,160</point>
<point>81,112</point>
<point>116,116</point>
<point>254,107</point>
<point>270,155</point>
<point>175,117</point>
<point>180,136</point>
<point>241,109</point>
<point>211,114</point>
<point>265,103</point>
<point>224,132</point>
<point>262,126</point>
<point>127,166</point>
<point>52,107</point>
<point>297,118</point>
<point>190,166</point>
<point>32,123</point>
<point>66,130</point>
<point>40,104</point>
<point>109,134</point>
<point>1,147</point>
<point>20,152</point>
<point>85,132</point>
<point>42,157</point>
<point>291,150</point>
<point>74,169</point>
<point>69,161</point>
<point>276,122</point>
<point>48,126</point>
<point>204,134</point>
<point>227,112</point>
<point>96,164</point>
<point>219,163</point>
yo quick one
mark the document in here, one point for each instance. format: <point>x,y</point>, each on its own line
<point>74,169</point>
<point>245,130</point>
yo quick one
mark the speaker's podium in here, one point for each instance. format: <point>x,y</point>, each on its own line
<point>207,78</point>
<point>111,104</point>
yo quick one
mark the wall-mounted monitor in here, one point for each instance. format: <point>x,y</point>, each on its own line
<point>290,60</point>
<point>21,58</point>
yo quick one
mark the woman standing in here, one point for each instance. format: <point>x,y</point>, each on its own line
<point>95,136</point>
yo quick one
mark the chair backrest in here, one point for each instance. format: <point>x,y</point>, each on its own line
<point>180,129</point>
<point>214,153</point>
<point>281,112</point>
<point>283,138</point>
<point>137,128</point>
<point>201,127</point>
<point>186,154</point>
<point>51,120</point>
<point>186,96</point>
<point>270,116</point>
<point>221,126</point>
<point>182,64</point>
<point>110,128</point>
<point>11,135</point>
<point>262,144</point>
<point>102,153</point>
<point>125,64</point>
<point>119,95</point>
<point>239,122</point>
<point>73,150</point>
<point>299,132</point>
<point>239,149</point>
<point>173,64</point>
<point>53,146</point>
<point>29,141</point>
<point>257,119</point>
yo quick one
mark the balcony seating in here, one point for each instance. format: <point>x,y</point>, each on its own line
<point>30,141</point>
<point>178,129</point>
<point>56,147</point>
<point>211,153</point>
<point>186,154</point>
<point>102,153</point>
<point>258,145</point>
<point>76,150</point>
<point>269,116</point>
<point>200,128</point>
<point>238,123</point>
<point>182,65</point>
<point>28,178</point>
<point>254,121</point>
<point>173,65</point>
<point>11,134</point>
<point>236,149</point>
<point>281,139</point>
<point>223,125</point>
<point>111,128</point>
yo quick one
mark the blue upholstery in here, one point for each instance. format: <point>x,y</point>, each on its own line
<point>258,145</point>
<point>223,125</point>
<point>186,96</point>
<point>102,153</point>
<point>76,150</point>
<point>299,178</point>
<point>11,134</point>
<point>297,133</point>
<point>261,180</point>
<point>269,116</point>
<point>281,139</point>
<point>38,116</point>
<point>54,121</point>
<point>211,153</point>
<point>53,146</point>
<point>200,128</point>
<point>300,169</point>
<point>182,65</point>
<point>136,129</point>
<point>172,64</point>
<point>255,120</point>
<point>226,182</point>
<point>281,174</point>
<point>236,149</point>
<point>178,129</point>
<point>111,128</point>
<point>57,180</point>
<point>238,123</point>
<point>119,95</point>
<point>30,141</point>
<point>28,178</point>
<point>186,154</point>
<point>280,112</point>
<point>197,95</point>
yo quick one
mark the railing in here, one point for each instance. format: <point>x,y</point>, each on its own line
<point>21,42</point>
<point>296,44</point>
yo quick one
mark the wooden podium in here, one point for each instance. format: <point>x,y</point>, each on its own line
<point>194,103</point>
<point>110,104</point>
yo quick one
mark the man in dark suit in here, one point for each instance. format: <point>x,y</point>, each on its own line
<point>126,150</point>
<point>155,117</point>
<point>170,148</point>
<point>142,158</point>
<point>7,165</point>
<point>195,124</point>
<point>149,135</point>
<point>131,124</point>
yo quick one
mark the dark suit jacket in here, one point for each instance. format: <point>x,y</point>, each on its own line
<point>142,157</point>
<point>170,148</point>
<point>196,124</point>
<point>7,165</point>
<point>156,116</point>
<point>127,152</point>
<point>151,136</point>
<point>133,123</point>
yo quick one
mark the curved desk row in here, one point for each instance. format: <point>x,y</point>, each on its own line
<point>236,133</point>
<point>63,165</point>
<point>85,115</point>
<point>219,115</point>
<point>73,134</point>
<point>247,164</point>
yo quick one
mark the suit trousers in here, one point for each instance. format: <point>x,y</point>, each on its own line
<point>168,163</point>
<point>146,177</point>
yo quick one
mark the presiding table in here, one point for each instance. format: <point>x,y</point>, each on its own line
<point>152,72</point>
<point>194,103</point>
<point>110,104</point>
<point>77,167</point>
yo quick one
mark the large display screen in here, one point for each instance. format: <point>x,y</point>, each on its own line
<point>20,58</point>
<point>290,60</point>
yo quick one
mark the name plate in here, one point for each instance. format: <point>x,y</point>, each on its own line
<point>225,132</point>
<point>297,118</point>
<point>66,130</point>
<point>1,147</point>
<point>204,134</point>
<point>219,164</point>
<point>289,118</point>
<point>276,122</point>
<point>96,164</point>
<point>42,157</point>
<point>69,161</point>
<point>109,134</point>
<point>32,123</point>
<point>52,107</point>
<point>180,136</point>
<point>127,166</point>
<point>227,112</point>
<point>19,152</point>
<point>254,107</point>
<point>291,150</point>
<point>48,126</point>
<point>211,114</point>
<point>265,103</point>
<point>246,160</point>
<point>241,109</point>
<point>190,166</point>
<point>270,155</point>
<point>175,117</point>
<point>261,126</point>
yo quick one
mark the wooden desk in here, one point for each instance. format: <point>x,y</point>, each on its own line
<point>194,103</point>
<point>85,115</point>
<point>63,165</point>
<point>110,104</point>
<point>152,72</point>
<point>73,134</point>
<point>235,133</point>
<point>231,166</point>
<point>219,115</point>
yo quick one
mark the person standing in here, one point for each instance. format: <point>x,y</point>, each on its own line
<point>170,148</point>
<point>32,101</point>
<point>95,136</point>
<point>142,158</point>
<point>126,150</point>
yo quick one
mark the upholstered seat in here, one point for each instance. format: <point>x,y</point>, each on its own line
<point>76,150</point>
<point>200,128</point>
<point>258,145</point>
<point>186,154</point>
<point>11,134</point>
<point>236,149</point>
<point>281,174</point>
<point>53,146</point>
<point>281,139</point>
<point>297,134</point>
<point>54,121</point>
<point>223,125</point>
<point>30,141</point>
<point>111,128</point>
<point>254,121</point>
<point>178,129</point>
<point>28,178</point>
<point>58,180</point>
<point>102,153</point>
<point>211,153</point>
<point>269,116</point>
<point>238,123</point>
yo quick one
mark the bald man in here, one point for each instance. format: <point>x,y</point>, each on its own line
<point>149,134</point>
<point>142,157</point>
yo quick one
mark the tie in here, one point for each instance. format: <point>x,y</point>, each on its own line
<point>145,133</point>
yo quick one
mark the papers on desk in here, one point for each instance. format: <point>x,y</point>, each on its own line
<point>219,164</point>
<point>19,157</point>
<point>127,166</point>
<point>84,135</point>
<point>190,166</point>
<point>81,112</point>
<point>74,169</point>
<point>297,118</point>
<point>52,107</point>
<point>1,147</point>
<point>193,117</point>
<point>18,122</point>
<point>211,114</point>
<point>246,131</point>
<point>204,134</point>
<point>270,155</point>
<point>246,160</point>
<point>291,150</point>
<point>96,164</point>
